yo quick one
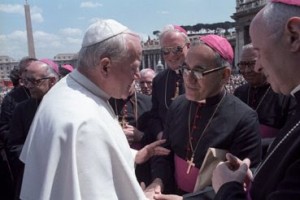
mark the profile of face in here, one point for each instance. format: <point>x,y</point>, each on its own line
<point>37,80</point>
<point>270,55</point>
<point>145,83</point>
<point>246,67</point>
<point>174,49</point>
<point>202,78</point>
<point>124,72</point>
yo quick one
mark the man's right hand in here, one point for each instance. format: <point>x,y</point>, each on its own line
<point>233,169</point>
<point>154,188</point>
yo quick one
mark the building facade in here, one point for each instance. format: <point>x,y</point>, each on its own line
<point>152,57</point>
<point>245,12</point>
<point>6,65</point>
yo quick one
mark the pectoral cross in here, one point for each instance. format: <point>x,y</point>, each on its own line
<point>123,122</point>
<point>176,91</point>
<point>191,164</point>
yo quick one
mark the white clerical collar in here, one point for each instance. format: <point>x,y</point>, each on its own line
<point>296,89</point>
<point>177,71</point>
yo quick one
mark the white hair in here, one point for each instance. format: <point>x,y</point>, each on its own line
<point>146,71</point>
<point>171,28</point>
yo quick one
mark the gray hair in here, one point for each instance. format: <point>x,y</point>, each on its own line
<point>219,60</point>
<point>276,15</point>
<point>170,28</point>
<point>247,46</point>
<point>52,73</point>
<point>25,62</point>
<point>146,71</point>
<point>115,48</point>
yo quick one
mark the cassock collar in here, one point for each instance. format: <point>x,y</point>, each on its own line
<point>264,86</point>
<point>297,96</point>
<point>89,85</point>
<point>215,99</point>
<point>295,90</point>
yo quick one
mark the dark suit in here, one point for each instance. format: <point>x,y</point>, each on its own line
<point>163,90</point>
<point>279,177</point>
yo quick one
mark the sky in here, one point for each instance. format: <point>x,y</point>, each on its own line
<point>59,25</point>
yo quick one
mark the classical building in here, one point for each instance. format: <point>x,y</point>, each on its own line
<point>245,11</point>
<point>152,58</point>
<point>6,65</point>
<point>66,58</point>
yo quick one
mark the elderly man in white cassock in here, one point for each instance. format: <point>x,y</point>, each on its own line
<point>76,148</point>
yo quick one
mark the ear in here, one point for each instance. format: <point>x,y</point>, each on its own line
<point>52,81</point>
<point>105,66</point>
<point>226,74</point>
<point>293,33</point>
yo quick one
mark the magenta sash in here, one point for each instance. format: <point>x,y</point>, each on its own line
<point>184,181</point>
<point>267,131</point>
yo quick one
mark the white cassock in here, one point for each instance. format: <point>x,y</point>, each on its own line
<point>76,149</point>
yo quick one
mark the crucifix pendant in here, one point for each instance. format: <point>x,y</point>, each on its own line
<point>123,122</point>
<point>190,164</point>
<point>176,91</point>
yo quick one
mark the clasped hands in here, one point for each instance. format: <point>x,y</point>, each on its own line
<point>233,169</point>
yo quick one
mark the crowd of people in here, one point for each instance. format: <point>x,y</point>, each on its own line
<point>107,130</point>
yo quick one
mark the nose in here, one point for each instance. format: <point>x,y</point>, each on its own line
<point>258,67</point>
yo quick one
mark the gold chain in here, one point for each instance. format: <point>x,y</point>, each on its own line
<point>261,100</point>
<point>209,122</point>
<point>275,148</point>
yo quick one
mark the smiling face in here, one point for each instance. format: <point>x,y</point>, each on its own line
<point>37,79</point>
<point>175,44</point>
<point>246,66</point>
<point>202,58</point>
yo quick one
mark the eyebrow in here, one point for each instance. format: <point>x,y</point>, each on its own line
<point>199,67</point>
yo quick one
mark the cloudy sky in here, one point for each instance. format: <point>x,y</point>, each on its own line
<point>59,25</point>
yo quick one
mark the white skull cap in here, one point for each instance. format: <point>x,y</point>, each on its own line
<point>102,30</point>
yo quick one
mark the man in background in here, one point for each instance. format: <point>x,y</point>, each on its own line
<point>39,78</point>
<point>273,109</point>
<point>168,84</point>
<point>145,81</point>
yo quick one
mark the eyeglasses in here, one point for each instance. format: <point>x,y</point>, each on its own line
<point>175,50</point>
<point>196,73</point>
<point>35,82</point>
<point>146,82</point>
<point>246,65</point>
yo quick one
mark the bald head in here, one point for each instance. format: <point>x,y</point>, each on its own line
<point>275,35</point>
<point>39,78</point>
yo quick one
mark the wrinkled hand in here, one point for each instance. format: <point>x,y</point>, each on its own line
<point>132,134</point>
<point>153,149</point>
<point>233,169</point>
<point>153,189</point>
<point>167,197</point>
